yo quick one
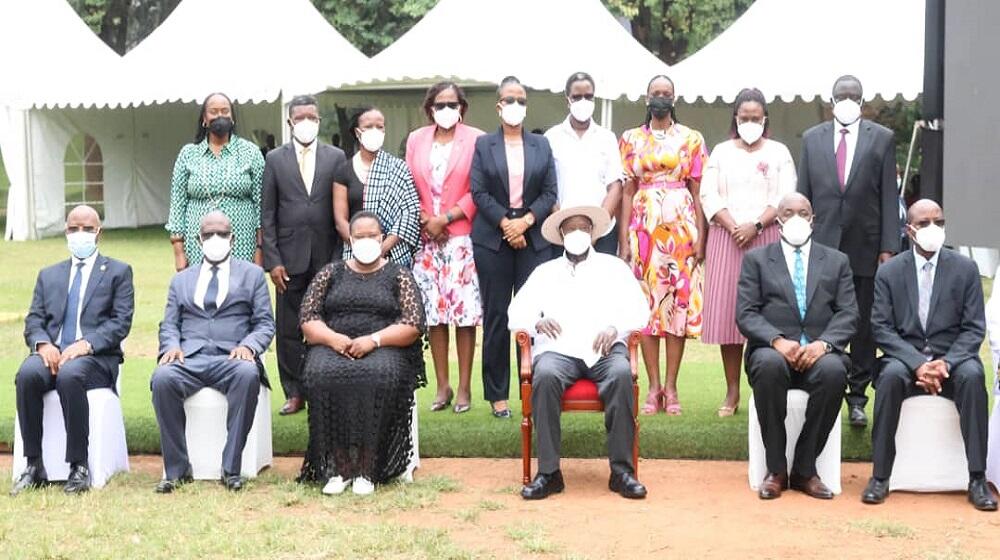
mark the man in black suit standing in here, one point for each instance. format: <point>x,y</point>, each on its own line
<point>848,173</point>
<point>80,313</point>
<point>299,234</point>
<point>796,307</point>
<point>929,322</point>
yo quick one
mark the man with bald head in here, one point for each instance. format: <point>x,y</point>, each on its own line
<point>216,327</point>
<point>928,319</point>
<point>80,313</point>
<point>796,307</point>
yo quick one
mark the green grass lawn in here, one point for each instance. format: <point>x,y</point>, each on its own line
<point>696,434</point>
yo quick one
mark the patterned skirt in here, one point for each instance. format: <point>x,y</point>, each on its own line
<point>446,275</point>
<point>723,258</point>
<point>662,234</point>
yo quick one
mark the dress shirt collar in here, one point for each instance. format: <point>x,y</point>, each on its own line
<point>206,267</point>
<point>299,147</point>
<point>789,250</point>
<point>583,265</point>
<point>567,127</point>
<point>87,262</point>
<point>852,129</point>
<point>225,147</point>
<point>919,260</point>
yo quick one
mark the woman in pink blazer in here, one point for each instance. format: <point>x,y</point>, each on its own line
<point>440,156</point>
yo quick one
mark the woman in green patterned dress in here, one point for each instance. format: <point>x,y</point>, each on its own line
<point>219,171</point>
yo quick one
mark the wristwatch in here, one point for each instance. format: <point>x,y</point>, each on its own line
<point>377,339</point>
<point>827,346</point>
<point>758,226</point>
<point>529,219</point>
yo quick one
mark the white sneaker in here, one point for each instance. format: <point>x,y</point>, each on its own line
<point>362,486</point>
<point>335,485</point>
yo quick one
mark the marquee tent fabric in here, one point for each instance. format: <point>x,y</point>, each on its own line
<point>796,48</point>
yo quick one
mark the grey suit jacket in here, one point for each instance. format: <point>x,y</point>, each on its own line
<point>766,307</point>
<point>863,220</point>
<point>108,305</point>
<point>243,319</point>
<point>956,322</point>
<point>298,225</point>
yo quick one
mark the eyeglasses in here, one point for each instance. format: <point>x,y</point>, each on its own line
<point>579,96</point>
<point>925,223</point>
<point>448,104</point>
<point>223,234</point>
<point>510,100</point>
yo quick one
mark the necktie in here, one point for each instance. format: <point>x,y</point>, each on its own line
<point>212,292</point>
<point>926,286</point>
<point>69,327</point>
<point>304,169</point>
<point>799,280</point>
<point>842,159</point>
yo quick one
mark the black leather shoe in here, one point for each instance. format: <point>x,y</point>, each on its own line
<point>33,477</point>
<point>981,496</point>
<point>78,480</point>
<point>232,482</point>
<point>627,485</point>
<point>857,416</point>
<point>167,485</point>
<point>543,486</point>
<point>876,491</point>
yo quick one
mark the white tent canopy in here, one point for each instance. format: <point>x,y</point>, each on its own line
<point>796,48</point>
<point>541,41</point>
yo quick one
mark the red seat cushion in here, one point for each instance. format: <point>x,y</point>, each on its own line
<point>582,390</point>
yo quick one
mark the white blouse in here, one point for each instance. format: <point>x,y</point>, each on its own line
<point>744,182</point>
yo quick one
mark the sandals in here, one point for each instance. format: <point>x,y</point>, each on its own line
<point>653,403</point>
<point>441,405</point>
<point>727,411</point>
<point>671,404</point>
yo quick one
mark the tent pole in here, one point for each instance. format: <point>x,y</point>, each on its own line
<point>286,135</point>
<point>29,179</point>
<point>607,113</point>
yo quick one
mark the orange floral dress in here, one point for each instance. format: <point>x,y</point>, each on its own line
<point>663,231</point>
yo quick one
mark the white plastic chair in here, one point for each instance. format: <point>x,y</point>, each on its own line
<point>828,462</point>
<point>930,452</point>
<point>206,432</point>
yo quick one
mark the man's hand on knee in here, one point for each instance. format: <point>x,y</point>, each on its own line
<point>241,353</point>
<point>549,327</point>
<point>50,356</point>
<point>605,340</point>
<point>79,348</point>
<point>789,349</point>
<point>171,356</point>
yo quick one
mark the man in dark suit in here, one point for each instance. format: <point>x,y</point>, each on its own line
<point>299,234</point>
<point>81,312</point>
<point>929,322</point>
<point>848,173</point>
<point>796,307</point>
<point>215,329</point>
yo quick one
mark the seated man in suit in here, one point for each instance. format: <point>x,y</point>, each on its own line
<point>928,320</point>
<point>796,307</point>
<point>80,313</point>
<point>216,326</point>
<point>581,308</point>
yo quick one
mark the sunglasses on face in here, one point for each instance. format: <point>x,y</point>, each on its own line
<point>449,104</point>
<point>924,223</point>
<point>223,234</point>
<point>510,100</point>
<point>579,96</point>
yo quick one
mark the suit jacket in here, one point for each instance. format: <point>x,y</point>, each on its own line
<point>491,187</point>
<point>298,225</point>
<point>863,220</point>
<point>108,305</point>
<point>766,307</point>
<point>956,322</point>
<point>243,319</point>
<point>456,190</point>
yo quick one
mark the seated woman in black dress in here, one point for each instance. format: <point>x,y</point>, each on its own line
<point>363,319</point>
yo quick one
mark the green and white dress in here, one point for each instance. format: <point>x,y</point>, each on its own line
<point>230,182</point>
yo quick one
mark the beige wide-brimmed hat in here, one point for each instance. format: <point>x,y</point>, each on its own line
<point>597,215</point>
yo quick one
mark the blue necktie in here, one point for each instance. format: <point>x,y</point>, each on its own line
<point>212,292</point>
<point>69,327</point>
<point>799,279</point>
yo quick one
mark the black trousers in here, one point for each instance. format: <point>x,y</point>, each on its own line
<point>501,274</point>
<point>770,378</point>
<point>966,386</point>
<point>290,345</point>
<point>75,378</point>
<point>863,343</point>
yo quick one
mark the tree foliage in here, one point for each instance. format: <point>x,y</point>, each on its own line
<point>372,25</point>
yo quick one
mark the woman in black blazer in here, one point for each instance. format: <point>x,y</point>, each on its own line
<point>514,187</point>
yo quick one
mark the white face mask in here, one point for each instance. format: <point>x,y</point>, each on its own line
<point>796,231</point>
<point>846,111</point>
<point>576,242</point>
<point>216,249</point>
<point>305,131</point>
<point>372,139</point>
<point>750,132</point>
<point>582,110</point>
<point>366,250</point>
<point>513,114</point>
<point>81,244</point>
<point>447,117</point>
<point>930,238</point>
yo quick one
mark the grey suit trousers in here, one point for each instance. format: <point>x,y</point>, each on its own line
<point>554,373</point>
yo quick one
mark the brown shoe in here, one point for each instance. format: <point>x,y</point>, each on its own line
<point>292,405</point>
<point>812,486</point>
<point>772,486</point>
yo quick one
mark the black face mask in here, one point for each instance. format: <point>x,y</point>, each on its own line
<point>660,107</point>
<point>221,126</point>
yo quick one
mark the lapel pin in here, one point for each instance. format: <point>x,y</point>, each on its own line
<point>104,267</point>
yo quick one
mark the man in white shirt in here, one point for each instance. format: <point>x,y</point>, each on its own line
<point>580,308</point>
<point>588,163</point>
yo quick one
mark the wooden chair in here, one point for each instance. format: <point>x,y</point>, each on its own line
<point>582,396</point>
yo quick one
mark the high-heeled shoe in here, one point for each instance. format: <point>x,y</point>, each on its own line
<point>671,404</point>
<point>653,403</point>
<point>441,405</point>
<point>726,411</point>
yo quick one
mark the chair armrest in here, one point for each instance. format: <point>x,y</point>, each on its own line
<point>633,354</point>
<point>524,347</point>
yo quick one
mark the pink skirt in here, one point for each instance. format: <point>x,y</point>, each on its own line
<point>723,259</point>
